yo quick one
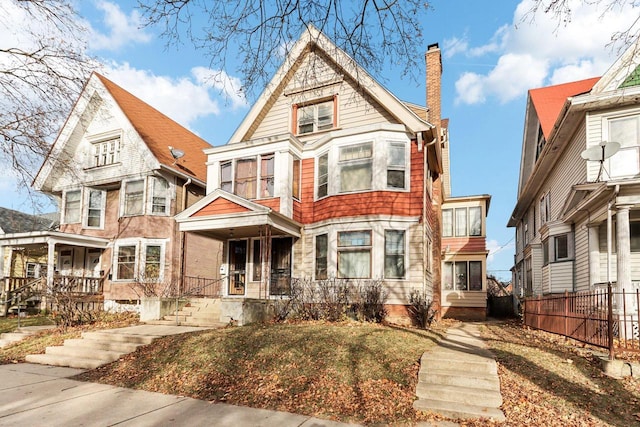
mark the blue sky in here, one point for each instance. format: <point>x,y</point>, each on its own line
<point>491,57</point>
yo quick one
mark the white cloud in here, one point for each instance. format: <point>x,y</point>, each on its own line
<point>494,248</point>
<point>536,50</point>
<point>123,29</point>
<point>229,86</point>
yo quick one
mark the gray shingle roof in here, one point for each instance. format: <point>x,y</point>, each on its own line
<point>19,222</point>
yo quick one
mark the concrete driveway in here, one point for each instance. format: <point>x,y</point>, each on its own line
<point>40,395</point>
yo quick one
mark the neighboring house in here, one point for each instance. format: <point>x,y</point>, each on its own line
<point>577,221</point>
<point>330,176</point>
<point>120,171</point>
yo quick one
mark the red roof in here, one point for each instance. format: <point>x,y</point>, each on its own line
<point>548,101</point>
<point>159,132</point>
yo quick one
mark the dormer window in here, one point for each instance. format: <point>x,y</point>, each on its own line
<point>315,117</point>
<point>106,152</point>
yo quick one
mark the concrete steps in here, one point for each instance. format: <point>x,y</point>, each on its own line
<point>459,379</point>
<point>198,312</point>
<point>19,334</point>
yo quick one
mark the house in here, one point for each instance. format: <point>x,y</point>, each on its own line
<point>577,217</point>
<point>331,177</point>
<point>120,171</point>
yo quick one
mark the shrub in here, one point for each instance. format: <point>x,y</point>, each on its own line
<point>420,309</point>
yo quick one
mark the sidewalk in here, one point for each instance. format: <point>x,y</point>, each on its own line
<point>39,395</point>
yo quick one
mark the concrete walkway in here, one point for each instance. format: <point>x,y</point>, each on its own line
<point>21,333</point>
<point>459,377</point>
<point>38,395</point>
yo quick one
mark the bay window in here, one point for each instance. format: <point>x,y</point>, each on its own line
<point>462,276</point>
<point>396,166</point>
<point>160,197</point>
<point>394,254</point>
<point>249,177</point>
<point>321,257</point>
<point>246,176</point>
<point>355,167</point>
<point>72,206</point>
<point>354,254</point>
<point>126,262</point>
<point>463,221</point>
<point>139,260</point>
<point>323,175</point>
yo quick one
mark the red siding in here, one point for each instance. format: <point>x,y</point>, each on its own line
<point>465,244</point>
<point>220,206</point>
<point>270,203</point>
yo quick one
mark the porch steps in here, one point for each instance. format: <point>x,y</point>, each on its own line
<point>92,350</point>
<point>459,379</point>
<point>19,334</point>
<point>197,312</point>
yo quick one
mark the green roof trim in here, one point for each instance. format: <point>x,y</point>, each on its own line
<point>632,79</point>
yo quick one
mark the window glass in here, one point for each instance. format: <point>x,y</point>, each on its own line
<point>626,132</point>
<point>545,252</point>
<point>133,197</point>
<point>257,263</point>
<point>266,175</point>
<point>354,254</point>
<point>226,178</point>
<point>355,164</point>
<point>475,221</point>
<point>305,119</point>
<point>562,247</point>
<point>106,152</point>
<point>396,166</point>
<point>246,175</point>
<point>321,257</point>
<point>72,207</point>
<point>126,262</point>
<point>475,275</point>
<point>394,255</point>
<point>447,223</point>
<point>315,117</point>
<point>160,200</point>
<point>634,231</point>
<point>461,222</point>
<point>295,187</point>
<point>94,209</point>
<point>447,276</point>
<point>323,175</point>
<point>152,262</point>
<point>461,275</point>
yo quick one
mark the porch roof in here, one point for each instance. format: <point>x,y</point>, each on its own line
<point>223,215</point>
<point>55,237</point>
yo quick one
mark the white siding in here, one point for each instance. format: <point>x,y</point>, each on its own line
<point>561,276</point>
<point>581,234</point>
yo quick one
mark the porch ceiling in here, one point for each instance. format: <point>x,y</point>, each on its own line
<point>239,225</point>
<point>45,237</point>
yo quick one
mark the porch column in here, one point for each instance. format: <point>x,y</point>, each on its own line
<point>594,254</point>
<point>51,259</point>
<point>623,248</point>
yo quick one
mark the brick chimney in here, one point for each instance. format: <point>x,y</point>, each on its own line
<point>434,77</point>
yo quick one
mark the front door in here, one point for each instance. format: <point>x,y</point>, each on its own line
<point>237,266</point>
<point>280,266</point>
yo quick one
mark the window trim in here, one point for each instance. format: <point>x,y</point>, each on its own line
<point>296,111</point>
<point>140,254</point>
<point>320,182</point>
<point>354,248</point>
<point>152,196</point>
<point>66,206</point>
<point>396,168</point>
<point>369,160</point>
<point>453,263</point>
<point>403,255</point>
<point>317,257</point>
<point>124,197</point>
<point>93,157</point>
<point>87,207</point>
<point>258,178</point>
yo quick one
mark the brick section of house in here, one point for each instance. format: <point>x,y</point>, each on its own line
<point>220,206</point>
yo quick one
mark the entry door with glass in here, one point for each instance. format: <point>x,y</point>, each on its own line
<point>237,267</point>
<point>280,266</point>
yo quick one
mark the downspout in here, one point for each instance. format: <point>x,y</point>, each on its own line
<point>609,230</point>
<point>182,236</point>
<point>425,248</point>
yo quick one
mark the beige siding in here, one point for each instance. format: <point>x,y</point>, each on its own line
<point>536,268</point>
<point>464,299</point>
<point>354,107</point>
<point>594,131</point>
<point>581,235</point>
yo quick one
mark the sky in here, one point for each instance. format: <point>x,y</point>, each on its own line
<point>492,53</point>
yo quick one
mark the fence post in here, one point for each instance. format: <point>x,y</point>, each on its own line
<point>566,312</point>
<point>539,303</point>
<point>610,321</point>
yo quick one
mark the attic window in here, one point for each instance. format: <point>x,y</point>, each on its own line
<point>106,152</point>
<point>316,117</point>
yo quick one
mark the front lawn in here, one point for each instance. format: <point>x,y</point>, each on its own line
<point>350,371</point>
<point>9,324</point>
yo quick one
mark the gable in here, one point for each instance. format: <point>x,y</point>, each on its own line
<point>220,206</point>
<point>632,79</point>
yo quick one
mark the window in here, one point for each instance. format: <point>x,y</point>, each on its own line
<point>106,152</point>
<point>447,222</point>
<point>257,261</point>
<point>95,208</point>
<point>321,257</point>
<point>634,231</point>
<point>126,262</point>
<point>562,247</point>
<point>160,197</point>
<point>355,167</point>
<point>396,166</point>
<point>246,175</point>
<point>72,207</point>
<point>266,175</point>
<point>475,221</point>
<point>295,184</point>
<point>152,262</point>
<point>626,132</point>
<point>462,276</point>
<point>525,232</point>
<point>461,222</point>
<point>226,176</point>
<point>323,175</point>
<point>354,254</point>
<point>314,117</point>
<point>545,252</point>
<point>133,198</point>
<point>541,142</point>
<point>394,254</point>
<point>545,208</point>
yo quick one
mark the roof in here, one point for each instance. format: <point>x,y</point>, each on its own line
<point>12,221</point>
<point>548,101</point>
<point>159,132</point>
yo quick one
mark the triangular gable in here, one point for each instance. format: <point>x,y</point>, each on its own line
<point>220,202</point>
<point>159,132</point>
<point>548,101</point>
<point>313,39</point>
<point>618,73</point>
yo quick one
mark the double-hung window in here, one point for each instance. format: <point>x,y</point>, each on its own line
<point>134,197</point>
<point>296,178</point>
<point>321,256</point>
<point>152,262</point>
<point>246,176</point>
<point>139,260</point>
<point>447,223</point>
<point>355,167</point>
<point>95,208</point>
<point>626,132</point>
<point>354,254</point>
<point>249,177</point>
<point>226,176</point>
<point>545,207</point>
<point>314,117</point>
<point>394,254</point>
<point>160,196</point>
<point>266,175</point>
<point>323,175</point>
<point>126,262</point>
<point>72,206</point>
<point>396,165</point>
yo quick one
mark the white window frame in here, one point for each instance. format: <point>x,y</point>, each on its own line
<point>322,180</point>
<point>628,157</point>
<point>152,192</point>
<point>454,286</point>
<point>86,207</point>
<point>106,149</point>
<point>314,108</point>
<point>545,208</point>
<point>123,201</point>
<point>232,164</point>
<point>401,167</point>
<point>353,248</point>
<point>355,162</point>
<point>65,208</point>
<point>402,255</point>
<point>139,265</point>
<point>316,257</point>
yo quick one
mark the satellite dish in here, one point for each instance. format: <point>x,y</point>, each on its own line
<point>176,153</point>
<point>601,152</point>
